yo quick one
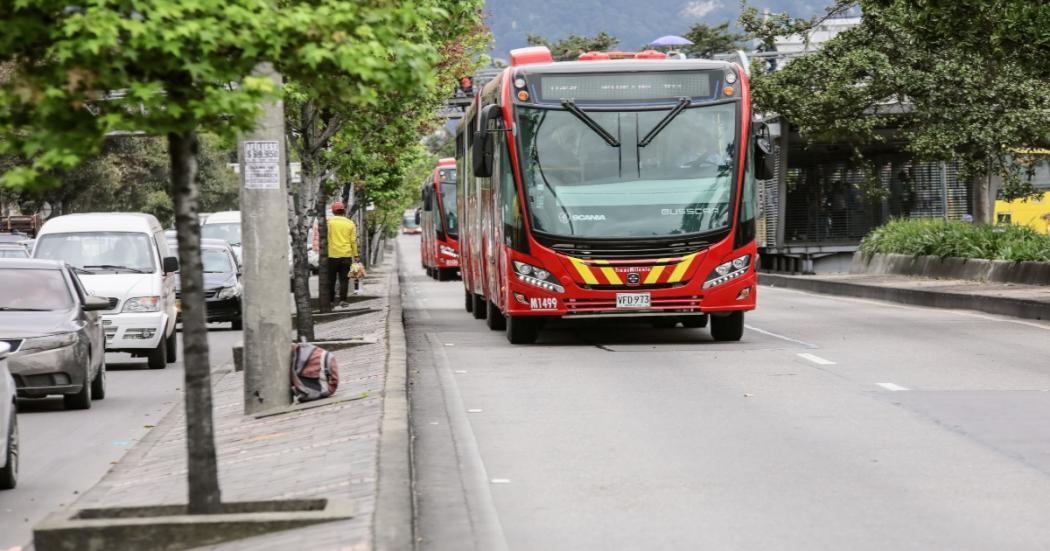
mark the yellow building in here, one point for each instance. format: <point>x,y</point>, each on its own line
<point>1033,212</point>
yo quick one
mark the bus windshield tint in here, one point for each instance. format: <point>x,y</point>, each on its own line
<point>576,184</point>
<point>448,201</point>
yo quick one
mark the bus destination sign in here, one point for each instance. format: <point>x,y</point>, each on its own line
<point>626,86</point>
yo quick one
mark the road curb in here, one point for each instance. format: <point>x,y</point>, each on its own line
<point>392,524</point>
<point>1004,306</point>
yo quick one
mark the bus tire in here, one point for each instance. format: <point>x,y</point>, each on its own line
<point>728,328</point>
<point>479,306</point>
<point>442,274</point>
<point>494,318</point>
<point>694,322</point>
<point>523,329</point>
<point>468,301</point>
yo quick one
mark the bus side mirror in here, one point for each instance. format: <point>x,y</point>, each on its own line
<point>428,199</point>
<point>418,217</point>
<point>765,160</point>
<point>484,150</point>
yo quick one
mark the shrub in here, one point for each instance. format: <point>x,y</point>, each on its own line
<point>920,237</point>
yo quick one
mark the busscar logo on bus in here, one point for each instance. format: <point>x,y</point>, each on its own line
<point>687,210</point>
<point>564,218</point>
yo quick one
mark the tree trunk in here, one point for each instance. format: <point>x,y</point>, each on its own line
<point>324,300</point>
<point>300,219</point>
<point>202,468</point>
<point>985,189</point>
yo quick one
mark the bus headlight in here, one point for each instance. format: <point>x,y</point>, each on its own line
<point>728,271</point>
<point>537,277</point>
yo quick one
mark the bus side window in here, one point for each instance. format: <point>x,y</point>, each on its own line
<point>513,225</point>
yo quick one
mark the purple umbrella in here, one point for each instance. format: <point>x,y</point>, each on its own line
<point>671,40</point>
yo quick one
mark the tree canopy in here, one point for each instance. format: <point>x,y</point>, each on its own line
<point>570,47</point>
<point>709,40</point>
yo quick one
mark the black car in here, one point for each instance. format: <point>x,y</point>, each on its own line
<point>55,333</point>
<point>222,282</point>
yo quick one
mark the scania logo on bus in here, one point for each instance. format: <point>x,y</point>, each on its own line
<point>564,218</point>
<point>633,279</point>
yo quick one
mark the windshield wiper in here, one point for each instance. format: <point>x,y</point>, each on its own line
<point>682,104</point>
<point>10,309</point>
<point>80,270</point>
<point>571,107</point>
<point>117,267</point>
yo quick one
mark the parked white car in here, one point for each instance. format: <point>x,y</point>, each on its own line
<point>224,225</point>
<point>8,425</point>
<point>124,258</point>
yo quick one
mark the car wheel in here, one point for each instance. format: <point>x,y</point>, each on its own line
<point>693,322</point>
<point>237,324</point>
<point>80,400</point>
<point>172,345</point>
<point>158,357</point>
<point>523,330</point>
<point>9,474</point>
<point>479,307</point>
<point>98,384</point>
<point>494,318</point>
<point>468,301</point>
<point>728,328</point>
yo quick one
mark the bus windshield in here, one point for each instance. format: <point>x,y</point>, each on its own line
<point>448,201</point>
<point>580,184</point>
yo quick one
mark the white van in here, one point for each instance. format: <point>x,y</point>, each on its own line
<point>124,258</point>
<point>224,225</point>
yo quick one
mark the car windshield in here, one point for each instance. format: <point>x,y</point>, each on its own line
<point>230,232</point>
<point>448,201</point>
<point>672,181</point>
<point>100,251</point>
<point>14,253</point>
<point>33,290</point>
<point>216,261</point>
<point>409,221</point>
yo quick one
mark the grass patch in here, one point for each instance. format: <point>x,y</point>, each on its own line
<point>941,238</point>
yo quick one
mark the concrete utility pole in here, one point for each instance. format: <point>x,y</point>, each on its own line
<point>264,231</point>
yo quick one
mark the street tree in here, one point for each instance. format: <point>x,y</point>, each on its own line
<point>974,106</point>
<point>570,47</point>
<point>710,40</point>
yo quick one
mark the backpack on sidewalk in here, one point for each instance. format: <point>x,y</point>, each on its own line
<point>315,374</point>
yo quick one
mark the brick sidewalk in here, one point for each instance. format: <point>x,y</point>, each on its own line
<point>326,451</point>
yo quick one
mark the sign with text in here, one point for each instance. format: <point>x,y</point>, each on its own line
<point>262,165</point>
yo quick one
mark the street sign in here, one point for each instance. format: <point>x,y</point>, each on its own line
<point>262,168</point>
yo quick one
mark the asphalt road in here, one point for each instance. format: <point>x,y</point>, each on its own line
<point>65,453</point>
<point>834,424</point>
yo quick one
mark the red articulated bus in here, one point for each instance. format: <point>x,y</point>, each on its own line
<point>618,185</point>
<point>439,245</point>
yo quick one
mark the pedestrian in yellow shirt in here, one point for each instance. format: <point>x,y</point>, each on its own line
<point>342,253</point>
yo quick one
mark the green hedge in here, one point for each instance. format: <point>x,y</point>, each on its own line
<point>960,239</point>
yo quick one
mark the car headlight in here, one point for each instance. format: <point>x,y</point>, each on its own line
<point>49,342</point>
<point>537,277</point>
<point>142,304</point>
<point>446,250</point>
<point>228,292</point>
<point>728,271</point>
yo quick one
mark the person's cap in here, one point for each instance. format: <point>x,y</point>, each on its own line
<point>338,206</point>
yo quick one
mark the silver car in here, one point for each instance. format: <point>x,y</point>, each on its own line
<point>8,425</point>
<point>54,331</point>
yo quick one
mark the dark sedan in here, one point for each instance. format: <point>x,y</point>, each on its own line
<point>222,284</point>
<point>55,334</point>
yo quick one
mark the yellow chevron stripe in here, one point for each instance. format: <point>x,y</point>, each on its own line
<point>654,274</point>
<point>681,268</point>
<point>584,271</point>
<point>610,274</point>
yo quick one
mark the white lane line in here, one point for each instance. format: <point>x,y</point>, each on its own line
<point>891,387</point>
<point>501,481</point>
<point>815,359</point>
<point>781,337</point>
<point>461,371</point>
<point>475,410</point>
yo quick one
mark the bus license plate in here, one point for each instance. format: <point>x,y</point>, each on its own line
<point>633,300</point>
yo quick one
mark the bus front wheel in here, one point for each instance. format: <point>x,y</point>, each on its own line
<point>479,306</point>
<point>468,301</point>
<point>494,318</point>
<point>728,328</point>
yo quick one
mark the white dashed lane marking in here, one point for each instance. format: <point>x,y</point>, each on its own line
<point>891,387</point>
<point>815,359</point>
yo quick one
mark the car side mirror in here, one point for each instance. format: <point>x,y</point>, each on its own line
<point>765,159</point>
<point>171,264</point>
<point>95,303</point>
